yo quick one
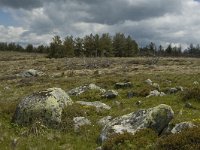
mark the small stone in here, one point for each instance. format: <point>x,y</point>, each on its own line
<point>110,94</point>
<point>138,103</point>
<point>130,95</point>
<point>195,83</point>
<point>188,105</point>
<point>97,104</point>
<point>181,126</point>
<point>79,122</point>
<point>173,90</point>
<point>123,85</point>
<point>149,82</point>
<point>156,85</point>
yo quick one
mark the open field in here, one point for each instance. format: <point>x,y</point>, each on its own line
<point>68,73</point>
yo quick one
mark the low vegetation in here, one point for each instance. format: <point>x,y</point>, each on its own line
<point>68,73</point>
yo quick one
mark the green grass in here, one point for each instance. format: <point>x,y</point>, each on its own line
<point>87,137</point>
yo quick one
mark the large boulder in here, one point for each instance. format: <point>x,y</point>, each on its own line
<point>156,118</point>
<point>45,106</point>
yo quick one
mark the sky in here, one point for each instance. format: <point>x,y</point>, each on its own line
<point>159,21</point>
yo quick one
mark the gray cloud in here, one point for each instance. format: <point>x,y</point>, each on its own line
<point>171,21</point>
<point>26,4</point>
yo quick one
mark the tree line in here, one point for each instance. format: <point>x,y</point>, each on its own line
<point>102,45</point>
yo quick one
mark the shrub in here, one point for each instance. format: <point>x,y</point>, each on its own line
<point>142,139</point>
<point>188,139</point>
<point>192,93</point>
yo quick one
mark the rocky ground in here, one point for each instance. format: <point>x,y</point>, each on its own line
<point>96,103</point>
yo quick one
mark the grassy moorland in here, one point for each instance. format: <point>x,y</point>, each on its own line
<point>68,73</point>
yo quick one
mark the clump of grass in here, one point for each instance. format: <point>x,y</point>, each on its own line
<point>188,139</point>
<point>142,139</point>
<point>192,93</point>
<point>90,95</point>
<point>67,116</point>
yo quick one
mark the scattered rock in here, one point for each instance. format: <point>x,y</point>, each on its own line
<point>156,118</point>
<point>155,93</point>
<point>99,148</point>
<point>45,106</point>
<point>188,105</point>
<point>123,85</point>
<point>98,72</point>
<point>30,73</point>
<point>195,83</point>
<point>181,126</point>
<point>156,85</point>
<point>173,90</point>
<point>131,94</point>
<point>94,87</point>
<point>80,121</point>
<point>180,88</point>
<point>176,89</point>
<point>97,104</point>
<point>110,94</point>
<point>149,82</point>
<point>138,103</point>
<point>79,90</point>
<point>105,120</point>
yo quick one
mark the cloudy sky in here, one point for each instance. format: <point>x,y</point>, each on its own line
<point>159,21</point>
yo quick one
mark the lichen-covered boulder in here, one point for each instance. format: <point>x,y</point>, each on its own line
<point>181,126</point>
<point>45,106</point>
<point>156,118</point>
<point>105,120</point>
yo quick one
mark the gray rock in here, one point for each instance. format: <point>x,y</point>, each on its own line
<point>176,89</point>
<point>105,120</point>
<point>138,103</point>
<point>156,85</point>
<point>180,88</point>
<point>181,126</point>
<point>156,118</point>
<point>30,73</point>
<point>156,93</point>
<point>45,106</point>
<point>149,82</point>
<point>79,122</point>
<point>123,85</point>
<point>79,90</point>
<point>97,104</point>
<point>195,83</point>
<point>188,105</point>
<point>99,148</point>
<point>110,94</point>
<point>173,90</point>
